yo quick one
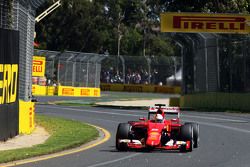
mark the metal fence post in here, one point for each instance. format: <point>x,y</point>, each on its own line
<point>149,69</point>
<point>123,68</point>
<point>87,78</point>
<point>74,73</point>
<point>206,65</point>
<point>218,62</point>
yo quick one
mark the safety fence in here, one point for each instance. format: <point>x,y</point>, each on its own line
<point>216,69</point>
<point>74,69</point>
<point>20,15</point>
<point>163,70</point>
<point>215,63</point>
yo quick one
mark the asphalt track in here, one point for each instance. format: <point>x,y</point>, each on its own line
<point>225,141</point>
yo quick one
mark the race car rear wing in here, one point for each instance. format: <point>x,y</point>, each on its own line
<point>166,110</point>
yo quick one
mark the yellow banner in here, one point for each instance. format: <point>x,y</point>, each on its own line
<point>78,91</point>
<point>26,117</point>
<point>201,22</point>
<point>38,68</point>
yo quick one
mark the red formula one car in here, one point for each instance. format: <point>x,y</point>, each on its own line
<point>162,130</point>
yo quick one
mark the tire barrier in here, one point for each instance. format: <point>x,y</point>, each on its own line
<point>9,62</point>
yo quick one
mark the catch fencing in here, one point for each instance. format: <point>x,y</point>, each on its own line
<point>72,68</point>
<point>216,71</point>
<point>20,15</point>
<point>155,70</point>
<point>215,63</point>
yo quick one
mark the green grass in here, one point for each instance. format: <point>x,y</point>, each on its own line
<point>64,134</point>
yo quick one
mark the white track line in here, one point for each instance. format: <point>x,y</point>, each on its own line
<point>115,160</point>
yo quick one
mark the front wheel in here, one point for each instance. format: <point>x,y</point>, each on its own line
<point>187,134</point>
<point>122,133</point>
<point>196,129</point>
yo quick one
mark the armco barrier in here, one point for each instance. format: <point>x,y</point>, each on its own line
<point>26,117</point>
<point>221,101</point>
<point>140,88</point>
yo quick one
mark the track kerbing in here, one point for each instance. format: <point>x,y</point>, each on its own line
<point>105,137</point>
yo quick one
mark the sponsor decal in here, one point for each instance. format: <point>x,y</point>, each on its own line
<point>96,92</point>
<point>67,91</point>
<point>200,22</point>
<point>132,88</point>
<point>8,83</point>
<point>85,92</point>
<point>38,68</point>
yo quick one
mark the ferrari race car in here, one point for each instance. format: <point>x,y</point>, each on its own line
<point>162,130</point>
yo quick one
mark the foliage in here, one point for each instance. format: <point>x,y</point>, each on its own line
<point>81,25</point>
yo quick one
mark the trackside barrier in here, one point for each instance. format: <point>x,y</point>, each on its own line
<point>26,117</point>
<point>78,91</point>
<point>140,88</point>
<point>51,90</point>
<point>39,90</point>
<point>221,101</point>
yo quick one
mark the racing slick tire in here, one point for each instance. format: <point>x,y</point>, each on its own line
<point>187,134</point>
<point>122,133</point>
<point>196,128</point>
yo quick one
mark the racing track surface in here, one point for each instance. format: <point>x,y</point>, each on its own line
<point>225,141</point>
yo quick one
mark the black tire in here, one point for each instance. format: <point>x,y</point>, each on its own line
<point>187,134</point>
<point>196,128</point>
<point>122,133</point>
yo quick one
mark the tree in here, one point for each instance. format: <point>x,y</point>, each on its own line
<point>133,25</point>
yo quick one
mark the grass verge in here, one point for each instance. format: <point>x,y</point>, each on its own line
<point>64,133</point>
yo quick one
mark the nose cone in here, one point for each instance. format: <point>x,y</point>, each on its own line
<point>153,139</point>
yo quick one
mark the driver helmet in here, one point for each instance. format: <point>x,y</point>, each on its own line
<point>158,118</point>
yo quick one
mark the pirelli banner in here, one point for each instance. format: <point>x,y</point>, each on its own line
<point>9,56</point>
<point>38,67</point>
<point>207,23</point>
<point>78,91</point>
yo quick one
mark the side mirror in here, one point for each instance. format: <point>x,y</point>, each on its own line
<point>142,119</point>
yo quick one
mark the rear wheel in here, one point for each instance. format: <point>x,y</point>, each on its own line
<point>187,134</point>
<point>122,133</point>
<point>196,129</point>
